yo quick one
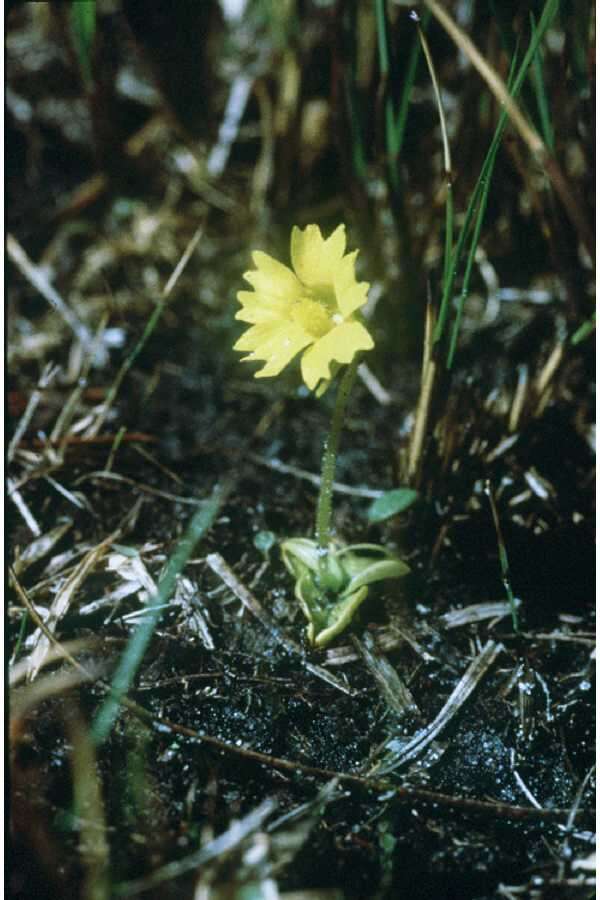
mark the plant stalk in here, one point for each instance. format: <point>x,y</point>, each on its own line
<point>323,518</point>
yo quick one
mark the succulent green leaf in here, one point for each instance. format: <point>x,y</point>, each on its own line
<point>355,562</point>
<point>378,571</point>
<point>330,597</point>
<point>339,616</point>
<point>300,554</point>
<point>391,503</point>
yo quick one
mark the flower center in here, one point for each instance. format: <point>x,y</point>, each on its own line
<point>312,316</point>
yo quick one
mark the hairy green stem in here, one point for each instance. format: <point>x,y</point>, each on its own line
<point>332,443</point>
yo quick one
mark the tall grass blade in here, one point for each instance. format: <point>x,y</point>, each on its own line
<point>382,41</point>
<point>548,14</point>
<point>397,133</point>
<point>584,330</point>
<point>138,643</point>
<point>83,27</point>
<point>541,97</point>
<point>470,259</point>
<point>358,151</point>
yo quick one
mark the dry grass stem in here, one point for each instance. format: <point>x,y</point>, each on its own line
<point>103,475</point>
<point>15,495</point>
<point>285,469</point>
<point>519,398</point>
<point>47,377</point>
<point>428,375</point>
<point>526,131</point>
<point>40,547</point>
<point>549,369</point>
<point>39,280</point>
<point>373,385</point>
<point>438,100</point>
<point>171,282</point>
<point>463,690</point>
<point>392,688</point>
<point>63,598</point>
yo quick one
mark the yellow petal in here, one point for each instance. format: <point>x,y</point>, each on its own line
<point>341,344</point>
<point>272,278</point>
<point>257,335</point>
<point>279,349</point>
<point>315,260</point>
<point>259,308</point>
<point>352,298</point>
<point>349,293</point>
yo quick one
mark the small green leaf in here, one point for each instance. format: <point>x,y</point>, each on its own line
<point>300,554</point>
<point>125,551</point>
<point>264,540</point>
<point>339,616</point>
<point>391,503</point>
<point>378,571</point>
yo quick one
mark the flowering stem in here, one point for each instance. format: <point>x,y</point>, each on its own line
<point>323,522</point>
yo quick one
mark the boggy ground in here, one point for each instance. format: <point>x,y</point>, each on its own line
<point>522,742</point>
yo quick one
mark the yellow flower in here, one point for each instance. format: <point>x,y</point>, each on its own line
<point>310,309</point>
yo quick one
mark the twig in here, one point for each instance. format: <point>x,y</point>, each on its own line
<point>41,546</point>
<point>236,104</point>
<point>392,688</point>
<point>62,650</point>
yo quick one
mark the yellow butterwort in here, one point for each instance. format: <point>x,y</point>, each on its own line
<point>310,309</point>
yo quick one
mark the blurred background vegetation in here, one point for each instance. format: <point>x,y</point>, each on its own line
<point>129,117</point>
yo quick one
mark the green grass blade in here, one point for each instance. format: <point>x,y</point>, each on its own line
<point>358,151</point>
<point>399,130</point>
<point>583,331</point>
<point>541,97</point>
<point>548,14</point>
<point>448,259</point>
<point>83,27</point>
<point>470,259</point>
<point>138,643</point>
<point>578,19</point>
<point>382,41</point>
